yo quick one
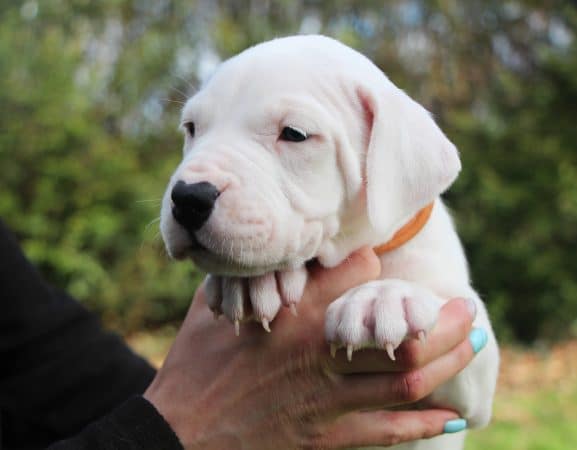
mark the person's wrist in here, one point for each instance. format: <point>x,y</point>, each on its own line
<point>168,409</point>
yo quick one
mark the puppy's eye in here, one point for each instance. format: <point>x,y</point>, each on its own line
<point>293,134</point>
<point>190,128</point>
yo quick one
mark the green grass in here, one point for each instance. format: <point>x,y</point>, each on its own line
<point>543,419</point>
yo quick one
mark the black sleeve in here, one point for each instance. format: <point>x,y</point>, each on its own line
<point>135,425</point>
<point>59,370</point>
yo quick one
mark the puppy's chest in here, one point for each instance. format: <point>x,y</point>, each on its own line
<point>402,266</point>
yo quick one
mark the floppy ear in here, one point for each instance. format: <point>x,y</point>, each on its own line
<point>409,160</point>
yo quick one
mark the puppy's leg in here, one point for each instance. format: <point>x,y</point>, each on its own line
<point>265,298</point>
<point>383,313</point>
<point>291,284</point>
<point>257,297</point>
<point>471,392</point>
<point>213,294</point>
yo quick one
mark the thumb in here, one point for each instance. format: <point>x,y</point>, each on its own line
<point>327,284</point>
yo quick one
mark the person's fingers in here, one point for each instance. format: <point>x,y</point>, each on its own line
<point>199,299</point>
<point>355,392</point>
<point>452,328</point>
<point>325,285</point>
<point>384,428</point>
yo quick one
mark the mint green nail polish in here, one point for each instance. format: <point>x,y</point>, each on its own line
<point>478,338</point>
<point>455,425</point>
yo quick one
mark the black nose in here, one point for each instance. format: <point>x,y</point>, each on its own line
<point>193,203</point>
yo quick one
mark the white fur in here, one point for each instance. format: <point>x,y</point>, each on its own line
<point>374,158</point>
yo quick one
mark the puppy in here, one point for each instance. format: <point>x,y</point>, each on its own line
<point>301,148</point>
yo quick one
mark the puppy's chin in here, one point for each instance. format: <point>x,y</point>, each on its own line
<point>219,261</point>
<point>225,266</point>
<point>212,262</point>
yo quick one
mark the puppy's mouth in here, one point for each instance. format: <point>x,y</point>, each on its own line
<point>192,246</point>
<point>195,244</point>
<point>212,261</point>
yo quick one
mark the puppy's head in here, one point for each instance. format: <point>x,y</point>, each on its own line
<point>299,148</point>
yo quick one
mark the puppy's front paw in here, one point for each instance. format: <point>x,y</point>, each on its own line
<point>259,298</point>
<point>381,314</point>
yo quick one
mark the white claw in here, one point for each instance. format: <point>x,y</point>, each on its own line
<point>237,327</point>
<point>333,349</point>
<point>422,336</point>
<point>350,352</point>
<point>293,309</point>
<point>265,324</point>
<point>390,351</point>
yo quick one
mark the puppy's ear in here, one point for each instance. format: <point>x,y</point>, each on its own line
<point>409,160</point>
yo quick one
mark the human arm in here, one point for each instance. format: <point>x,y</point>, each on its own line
<point>134,425</point>
<point>59,369</point>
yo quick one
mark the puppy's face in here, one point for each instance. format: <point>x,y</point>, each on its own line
<point>272,171</point>
<point>264,132</point>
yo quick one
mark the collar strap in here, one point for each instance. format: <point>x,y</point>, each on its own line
<point>407,232</point>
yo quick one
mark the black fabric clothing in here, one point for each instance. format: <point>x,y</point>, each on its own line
<point>135,425</point>
<point>61,372</point>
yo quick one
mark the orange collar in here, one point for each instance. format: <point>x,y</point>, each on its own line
<point>407,232</point>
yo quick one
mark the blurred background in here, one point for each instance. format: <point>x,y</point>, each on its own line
<point>90,94</point>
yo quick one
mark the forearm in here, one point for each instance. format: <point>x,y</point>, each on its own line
<point>135,425</point>
<point>59,369</point>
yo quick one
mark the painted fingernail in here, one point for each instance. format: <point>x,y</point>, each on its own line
<point>471,306</point>
<point>455,425</point>
<point>478,338</point>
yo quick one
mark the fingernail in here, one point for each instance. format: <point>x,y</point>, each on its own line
<point>471,306</point>
<point>478,338</point>
<point>455,425</point>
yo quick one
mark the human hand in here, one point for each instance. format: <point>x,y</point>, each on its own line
<point>260,390</point>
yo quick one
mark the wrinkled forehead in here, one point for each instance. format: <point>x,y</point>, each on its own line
<point>293,61</point>
<point>302,66</point>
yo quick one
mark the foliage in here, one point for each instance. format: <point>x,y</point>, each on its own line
<point>537,419</point>
<point>90,95</point>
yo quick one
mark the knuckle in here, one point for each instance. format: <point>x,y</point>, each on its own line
<point>430,429</point>
<point>398,431</point>
<point>410,387</point>
<point>367,260</point>
<point>394,436</point>
<point>460,317</point>
<point>463,326</point>
<point>464,354</point>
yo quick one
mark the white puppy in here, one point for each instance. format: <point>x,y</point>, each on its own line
<point>302,148</point>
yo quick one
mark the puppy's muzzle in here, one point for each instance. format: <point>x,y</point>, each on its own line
<point>193,203</point>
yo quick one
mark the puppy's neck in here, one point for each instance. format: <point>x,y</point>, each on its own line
<point>407,231</point>
<point>357,232</point>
